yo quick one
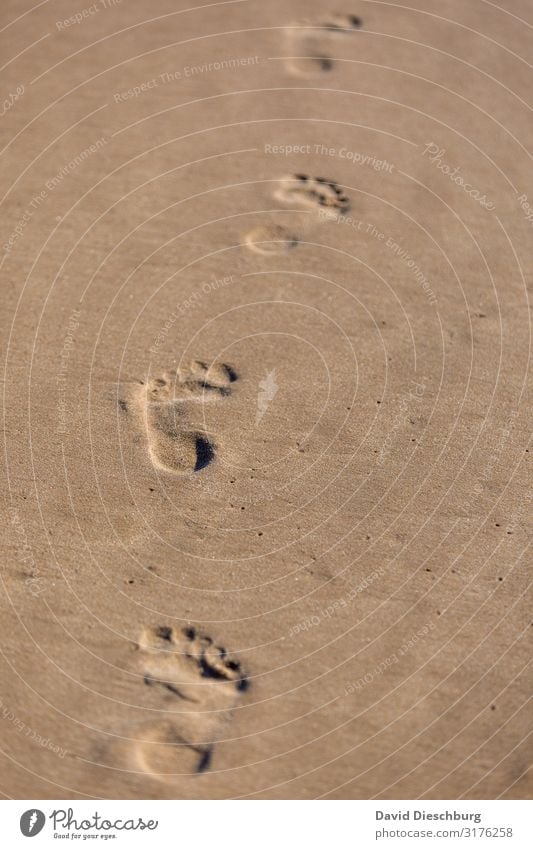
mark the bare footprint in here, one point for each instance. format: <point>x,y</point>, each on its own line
<point>315,192</point>
<point>178,659</point>
<point>160,752</point>
<point>312,43</point>
<point>188,670</point>
<point>174,444</point>
<point>271,239</point>
<point>520,787</point>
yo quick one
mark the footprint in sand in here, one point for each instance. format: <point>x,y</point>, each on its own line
<point>271,239</point>
<point>176,445</point>
<point>186,668</point>
<point>315,192</point>
<point>311,43</point>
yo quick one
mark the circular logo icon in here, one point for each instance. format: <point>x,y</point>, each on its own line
<point>32,822</point>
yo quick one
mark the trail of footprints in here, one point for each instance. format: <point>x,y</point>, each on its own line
<point>200,684</point>
<point>176,442</point>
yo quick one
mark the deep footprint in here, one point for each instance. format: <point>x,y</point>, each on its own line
<point>315,192</point>
<point>174,444</point>
<point>189,670</point>
<point>311,44</point>
<point>161,753</point>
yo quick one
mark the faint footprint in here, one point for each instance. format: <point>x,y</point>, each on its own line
<point>311,44</point>
<point>315,192</point>
<point>271,239</point>
<point>174,444</point>
<point>185,665</point>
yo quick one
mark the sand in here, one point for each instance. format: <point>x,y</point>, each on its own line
<point>265,274</point>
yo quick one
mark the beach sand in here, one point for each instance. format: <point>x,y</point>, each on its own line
<point>265,273</point>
